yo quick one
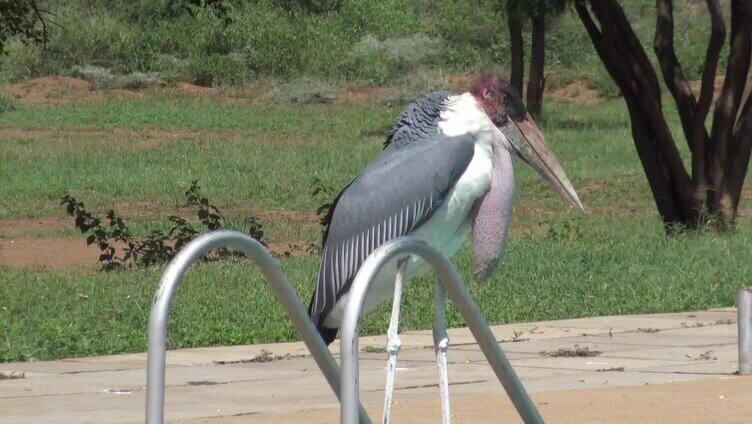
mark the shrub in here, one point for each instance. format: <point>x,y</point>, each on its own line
<point>413,85</point>
<point>100,77</point>
<point>475,33</point>
<point>302,91</point>
<point>7,104</point>
<point>379,61</point>
<point>21,61</point>
<point>159,246</point>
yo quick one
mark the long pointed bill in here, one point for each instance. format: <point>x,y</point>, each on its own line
<point>528,141</point>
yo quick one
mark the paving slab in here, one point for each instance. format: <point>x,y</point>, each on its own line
<point>676,367</point>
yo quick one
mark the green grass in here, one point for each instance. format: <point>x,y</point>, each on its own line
<point>253,159</point>
<point>597,268</point>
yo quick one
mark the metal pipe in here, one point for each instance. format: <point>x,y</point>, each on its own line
<point>461,297</point>
<point>173,275</point>
<point>744,325</point>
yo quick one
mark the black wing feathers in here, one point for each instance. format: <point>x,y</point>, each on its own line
<point>419,121</point>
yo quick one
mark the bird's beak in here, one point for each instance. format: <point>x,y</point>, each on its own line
<point>528,141</point>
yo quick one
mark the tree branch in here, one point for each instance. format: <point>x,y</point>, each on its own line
<point>742,148</point>
<point>516,47</point>
<point>669,188</point>
<point>698,137</point>
<point>615,26</point>
<point>34,7</point>
<point>673,74</point>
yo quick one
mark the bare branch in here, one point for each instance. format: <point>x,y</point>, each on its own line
<point>673,74</point>
<point>698,138</point>
<point>516,47</point>
<point>621,24</point>
<point>603,48</point>
<point>628,64</point>
<point>41,19</point>
<point>630,53</point>
<point>742,148</point>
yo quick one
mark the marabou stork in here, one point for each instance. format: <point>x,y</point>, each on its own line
<point>445,173</point>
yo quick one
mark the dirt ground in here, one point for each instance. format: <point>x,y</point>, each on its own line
<point>48,252</point>
<point>24,245</point>
<point>721,401</point>
<point>575,92</point>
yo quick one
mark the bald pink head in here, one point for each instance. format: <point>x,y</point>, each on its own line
<point>498,99</point>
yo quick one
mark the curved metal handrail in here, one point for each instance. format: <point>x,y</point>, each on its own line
<point>192,252</point>
<point>461,297</point>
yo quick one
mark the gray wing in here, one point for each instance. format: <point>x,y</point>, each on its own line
<point>419,121</point>
<point>395,194</point>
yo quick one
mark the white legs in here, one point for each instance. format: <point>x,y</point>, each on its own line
<point>441,344</point>
<point>394,344</point>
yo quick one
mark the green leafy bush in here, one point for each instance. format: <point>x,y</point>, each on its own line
<point>120,248</point>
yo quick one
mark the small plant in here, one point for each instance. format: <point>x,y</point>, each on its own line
<point>617,369</point>
<point>705,356</point>
<point>516,337</point>
<point>323,192</point>
<point>120,248</point>
<point>303,91</point>
<point>12,375</point>
<point>374,349</point>
<point>575,351</point>
<point>7,104</point>
<point>102,78</point>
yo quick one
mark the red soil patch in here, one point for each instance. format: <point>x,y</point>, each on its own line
<point>50,90</point>
<point>289,216</point>
<point>296,249</point>
<point>16,227</point>
<point>363,94</point>
<point>72,252</point>
<point>244,95</point>
<point>145,139</point>
<point>59,90</point>
<point>576,92</point>
<point>189,88</point>
<point>57,253</point>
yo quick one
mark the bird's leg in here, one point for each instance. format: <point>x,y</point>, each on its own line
<point>394,344</point>
<point>441,344</point>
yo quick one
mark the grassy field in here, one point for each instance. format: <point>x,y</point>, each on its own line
<point>138,153</point>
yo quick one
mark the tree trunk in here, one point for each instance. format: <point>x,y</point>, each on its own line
<point>719,159</point>
<point>516,47</point>
<point>723,201</point>
<point>536,79</point>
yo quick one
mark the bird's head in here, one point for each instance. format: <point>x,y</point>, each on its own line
<point>515,129</point>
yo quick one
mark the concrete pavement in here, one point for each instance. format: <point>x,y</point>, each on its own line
<point>657,368</point>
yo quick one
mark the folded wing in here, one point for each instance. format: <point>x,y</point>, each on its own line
<point>394,195</point>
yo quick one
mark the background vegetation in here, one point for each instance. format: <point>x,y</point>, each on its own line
<point>163,41</point>
<point>288,114</point>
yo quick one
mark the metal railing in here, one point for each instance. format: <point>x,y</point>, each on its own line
<point>744,329</point>
<point>461,297</point>
<point>155,368</point>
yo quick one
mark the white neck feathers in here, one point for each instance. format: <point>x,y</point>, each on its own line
<point>463,115</point>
